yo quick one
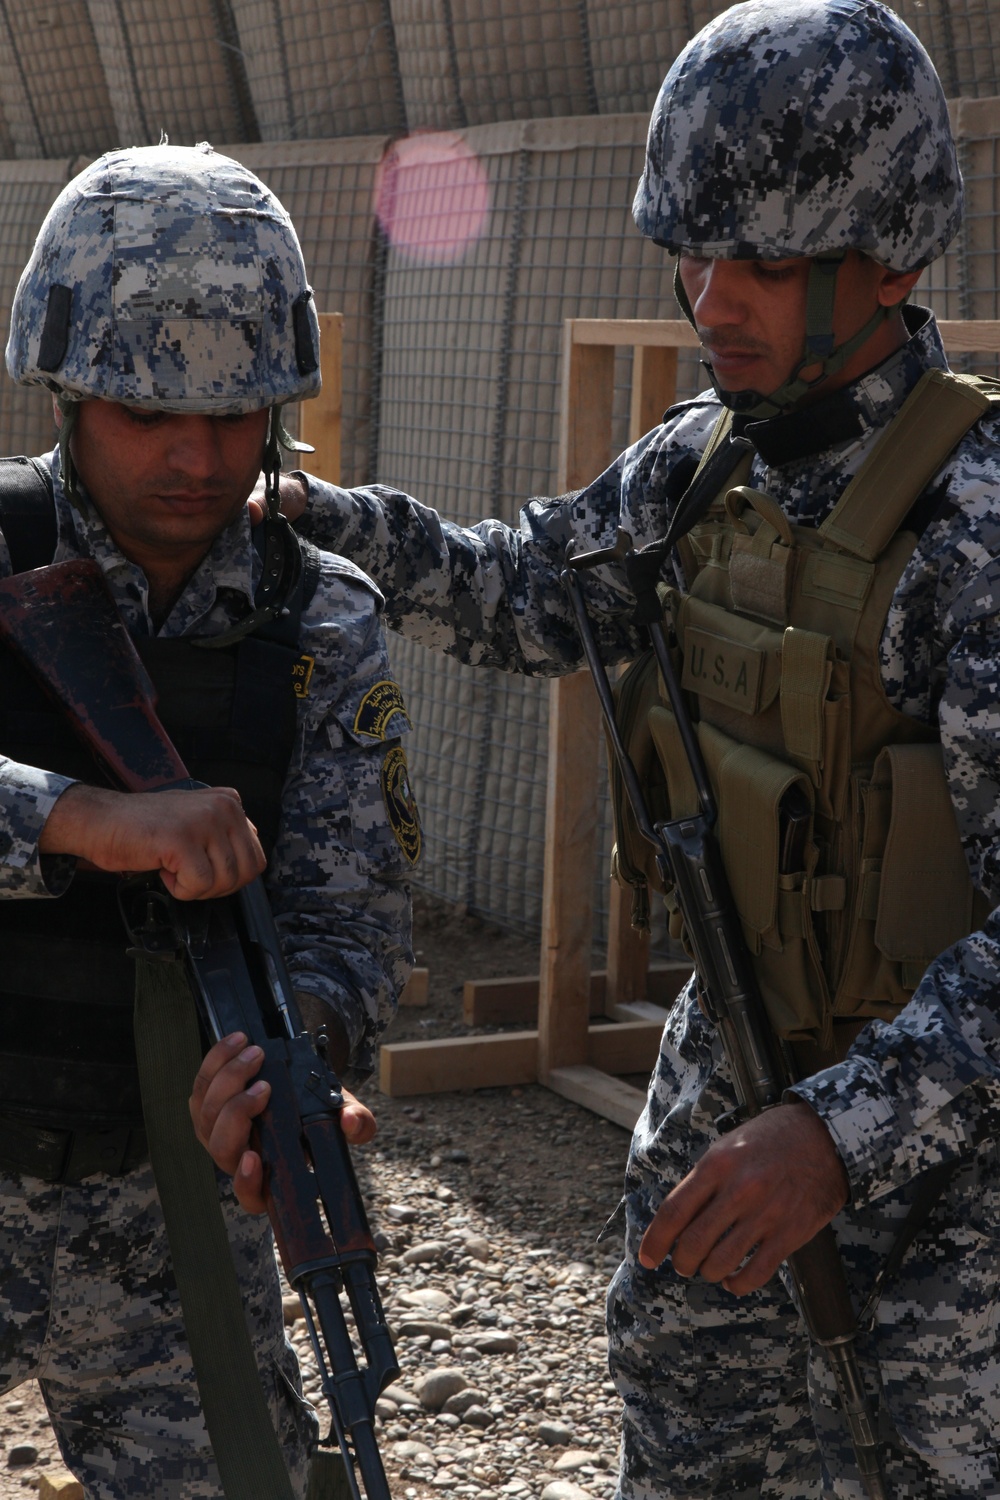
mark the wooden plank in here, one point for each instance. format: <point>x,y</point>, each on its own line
<point>514,1001</point>
<point>415,990</point>
<point>572,813</point>
<point>670,333</point>
<point>601,1094</point>
<point>464,1062</point>
<point>975,119</point>
<point>626,1047</point>
<point>585,411</point>
<point>571,830</point>
<point>320,419</point>
<point>960,336</point>
<point>654,387</point>
<point>970,336</point>
<point>480,1062</point>
<point>639,1010</point>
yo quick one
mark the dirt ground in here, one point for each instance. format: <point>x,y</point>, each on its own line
<point>454,947</point>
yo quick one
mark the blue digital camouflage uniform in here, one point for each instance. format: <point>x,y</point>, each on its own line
<point>87,1300</point>
<point>722,1396</point>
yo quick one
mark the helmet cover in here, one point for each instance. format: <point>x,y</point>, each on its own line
<point>168,278</point>
<point>802,127</point>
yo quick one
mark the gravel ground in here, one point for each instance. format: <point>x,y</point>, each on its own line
<point>486,1205</point>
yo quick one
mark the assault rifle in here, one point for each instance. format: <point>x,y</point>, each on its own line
<point>63,623</point>
<point>687,856</point>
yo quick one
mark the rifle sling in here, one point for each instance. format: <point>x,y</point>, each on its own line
<point>168,1050</point>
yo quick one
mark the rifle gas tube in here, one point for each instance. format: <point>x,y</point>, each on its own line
<point>687,855</point>
<point>63,623</point>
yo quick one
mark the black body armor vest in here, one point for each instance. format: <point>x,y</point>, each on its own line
<point>67,1058</point>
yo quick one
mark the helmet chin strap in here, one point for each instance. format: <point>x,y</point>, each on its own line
<point>819,350</point>
<point>278,437</point>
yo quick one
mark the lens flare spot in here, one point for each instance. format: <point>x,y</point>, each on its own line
<point>432,197</point>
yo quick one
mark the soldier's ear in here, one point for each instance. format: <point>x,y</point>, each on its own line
<point>895,286</point>
<point>57,415</point>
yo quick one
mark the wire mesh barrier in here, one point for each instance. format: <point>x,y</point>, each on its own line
<point>472,62</point>
<point>467,421</point>
<point>175,70</point>
<point>27,191</point>
<point>963,38</point>
<point>49,52</point>
<point>328,187</point>
<point>964,282</point>
<point>317,69</point>
<point>633,43</point>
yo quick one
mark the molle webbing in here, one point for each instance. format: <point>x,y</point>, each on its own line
<point>836,825</point>
<point>934,419</point>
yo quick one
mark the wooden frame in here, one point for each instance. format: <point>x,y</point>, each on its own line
<point>564,1053</point>
<point>320,420</point>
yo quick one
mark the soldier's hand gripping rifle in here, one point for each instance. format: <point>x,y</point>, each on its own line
<point>688,857</point>
<point>63,624</point>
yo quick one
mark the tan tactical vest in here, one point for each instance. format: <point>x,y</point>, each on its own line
<point>835,822</point>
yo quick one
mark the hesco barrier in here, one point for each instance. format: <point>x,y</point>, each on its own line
<point>963,38</point>
<point>53,92</point>
<point>328,187</point>
<point>633,43</point>
<point>964,283</point>
<point>467,422</point>
<point>473,62</point>
<point>454,301</point>
<point>27,190</point>
<point>173,69</point>
<point>321,69</point>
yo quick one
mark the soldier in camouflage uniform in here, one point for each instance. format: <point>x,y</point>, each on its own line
<point>168,377</point>
<point>801,166</point>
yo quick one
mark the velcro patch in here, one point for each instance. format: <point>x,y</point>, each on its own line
<point>722,670</point>
<point>378,708</point>
<point>404,820</point>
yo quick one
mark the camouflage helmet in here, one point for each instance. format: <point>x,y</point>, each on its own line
<point>169,278</point>
<point>802,127</point>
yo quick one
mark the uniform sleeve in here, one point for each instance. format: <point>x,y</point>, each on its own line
<point>926,1088</point>
<point>338,879</point>
<point>27,796</point>
<point>491,594</point>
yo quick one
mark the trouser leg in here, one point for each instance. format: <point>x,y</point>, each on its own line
<point>29,1223</point>
<point>714,1391</point>
<point>115,1369</point>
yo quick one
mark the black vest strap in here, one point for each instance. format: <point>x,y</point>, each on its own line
<point>27,513</point>
<point>66,984</point>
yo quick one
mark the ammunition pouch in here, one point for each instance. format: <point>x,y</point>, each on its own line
<point>835,822</point>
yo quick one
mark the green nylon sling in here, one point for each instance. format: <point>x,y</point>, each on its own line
<point>168,1051</point>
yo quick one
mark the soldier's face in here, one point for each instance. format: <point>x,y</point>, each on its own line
<point>751,316</point>
<point>165,484</point>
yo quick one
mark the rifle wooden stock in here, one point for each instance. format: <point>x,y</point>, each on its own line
<point>64,625</point>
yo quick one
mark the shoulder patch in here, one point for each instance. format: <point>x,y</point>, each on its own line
<point>404,820</point>
<point>378,708</point>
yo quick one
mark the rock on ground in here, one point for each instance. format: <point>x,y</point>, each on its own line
<point>512,1187</point>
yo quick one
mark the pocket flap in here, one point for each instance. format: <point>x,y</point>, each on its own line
<point>751,787</point>
<point>925,892</point>
<point>729,659</point>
